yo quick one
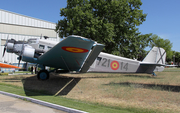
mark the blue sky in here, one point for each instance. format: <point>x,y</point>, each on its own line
<point>163,16</point>
<point>163,19</point>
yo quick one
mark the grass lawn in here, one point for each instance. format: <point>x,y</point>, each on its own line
<point>23,72</point>
<point>80,105</point>
<point>103,92</point>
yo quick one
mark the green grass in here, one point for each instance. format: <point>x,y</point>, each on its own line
<point>172,69</point>
<point>23,72</point>
<point>80,105</point>
<point>3,74</point>
<point>105,93</point>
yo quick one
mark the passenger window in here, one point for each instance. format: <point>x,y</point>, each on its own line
<point>41,46</point>
<point>49,47</point>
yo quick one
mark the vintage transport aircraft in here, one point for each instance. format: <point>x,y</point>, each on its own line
<point>80,55</point>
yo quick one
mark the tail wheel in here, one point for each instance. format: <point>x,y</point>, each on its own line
<point>43,75</point>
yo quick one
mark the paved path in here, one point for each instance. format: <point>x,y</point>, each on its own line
<point>14,105</point>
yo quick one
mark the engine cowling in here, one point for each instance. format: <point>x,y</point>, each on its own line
<point>28,52</point>
<point>10,46</point>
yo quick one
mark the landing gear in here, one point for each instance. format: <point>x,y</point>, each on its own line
<point>43,75</point>
<point>154,74</point>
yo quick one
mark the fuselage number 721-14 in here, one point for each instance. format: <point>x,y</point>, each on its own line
<point>104,62</point>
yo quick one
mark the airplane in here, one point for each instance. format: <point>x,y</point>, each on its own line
<point>4,65</point>
<point>78,54</point>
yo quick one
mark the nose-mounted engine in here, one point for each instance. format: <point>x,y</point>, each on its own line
<point>10,44</point>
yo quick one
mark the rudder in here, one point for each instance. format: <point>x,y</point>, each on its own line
<point>156,55</point>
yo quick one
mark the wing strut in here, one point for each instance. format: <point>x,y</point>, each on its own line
<point>65,63</point>
<point>69,81</point>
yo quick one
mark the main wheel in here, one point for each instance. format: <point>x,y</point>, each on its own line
<point>43,75</point>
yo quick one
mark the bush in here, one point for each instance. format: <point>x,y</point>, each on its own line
<point>51,68</point>
<point>29,69</point>
<point>3,74</point>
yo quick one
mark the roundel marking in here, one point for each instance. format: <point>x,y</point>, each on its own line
<point>74,49</point>
<point>114,65</point>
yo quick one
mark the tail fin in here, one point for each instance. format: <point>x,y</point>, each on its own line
<point>154,61</point>
<point>156,55</point>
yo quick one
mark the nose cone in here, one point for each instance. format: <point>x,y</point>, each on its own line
<point>10,45</point>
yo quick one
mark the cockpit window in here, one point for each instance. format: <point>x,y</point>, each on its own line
<point>41,46</point>
<point>49,47</point>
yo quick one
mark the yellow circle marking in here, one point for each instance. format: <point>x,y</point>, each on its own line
<point>75,50</point>
<point>114,65</point>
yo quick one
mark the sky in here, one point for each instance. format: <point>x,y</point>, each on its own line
<point>163,18</point>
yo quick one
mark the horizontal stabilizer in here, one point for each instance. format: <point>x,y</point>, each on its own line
<point>152,64</point>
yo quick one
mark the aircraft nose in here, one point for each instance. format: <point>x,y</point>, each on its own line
<point>9,45</point>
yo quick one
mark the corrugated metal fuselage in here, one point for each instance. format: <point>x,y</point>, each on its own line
<point>116,64</point>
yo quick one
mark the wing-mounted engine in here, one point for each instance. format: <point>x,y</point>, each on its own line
<point>28,51</point>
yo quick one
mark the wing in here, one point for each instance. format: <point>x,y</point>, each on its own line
<point>3,65</point>
<point>69,54</point>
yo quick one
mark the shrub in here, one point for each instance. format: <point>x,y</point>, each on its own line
<point>3,74</point>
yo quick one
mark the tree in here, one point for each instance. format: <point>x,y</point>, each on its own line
<point>163,43</point>
<point>110,22</point>
<point>177,57</point>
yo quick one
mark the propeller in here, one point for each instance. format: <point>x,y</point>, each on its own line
<point>5,46</point>
<point>20,56</point>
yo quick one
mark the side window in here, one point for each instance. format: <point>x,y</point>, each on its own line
<point>41,46</point>
<point>49,47</point>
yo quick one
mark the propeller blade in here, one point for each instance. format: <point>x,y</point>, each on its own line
<point>5,46</point>
<point>20,56</point>
<point>4,52</point>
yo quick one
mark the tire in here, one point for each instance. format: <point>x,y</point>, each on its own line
<point>43,75</point>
